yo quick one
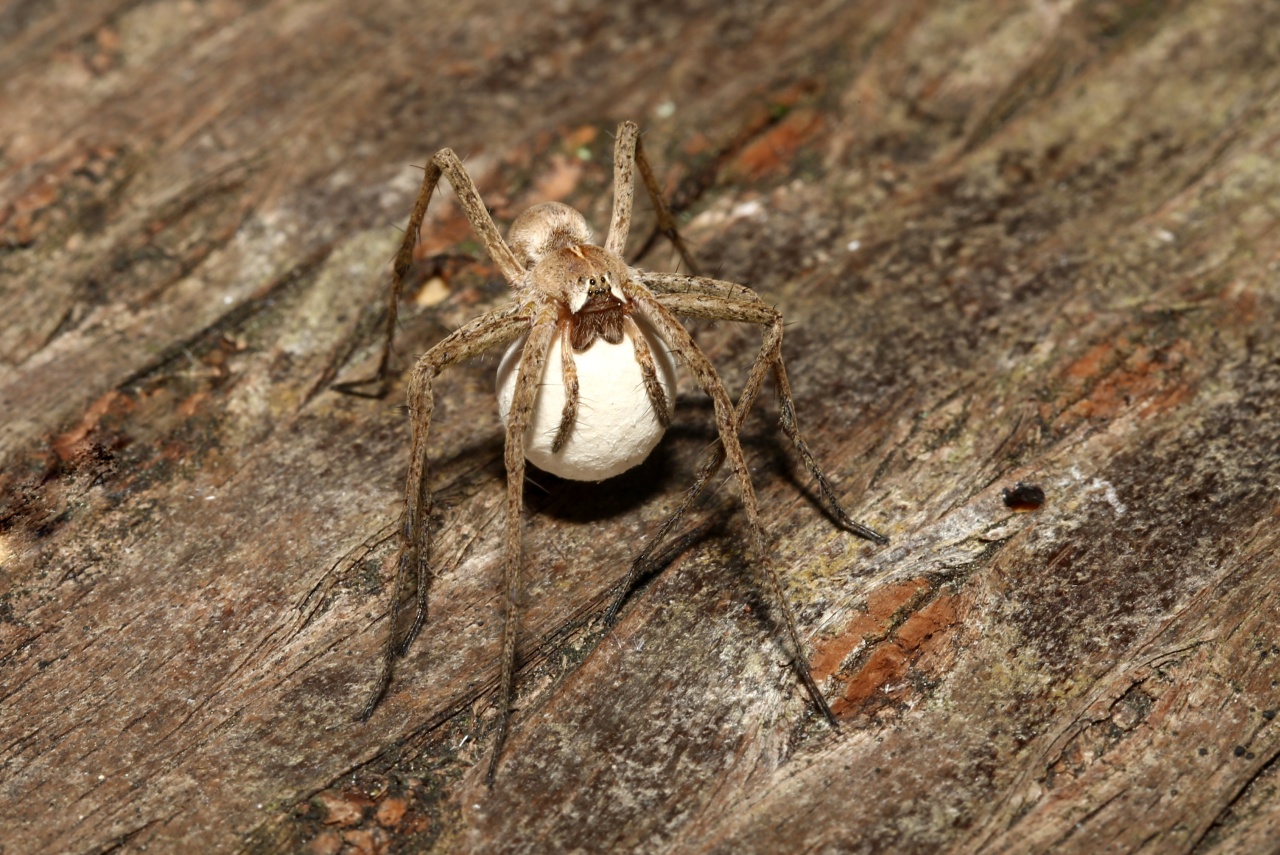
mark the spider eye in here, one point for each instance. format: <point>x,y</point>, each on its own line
<point>591,282</point>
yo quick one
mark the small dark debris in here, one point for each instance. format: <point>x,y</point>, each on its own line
<point>1268,714</point>
<point>1023,497</point>
<point>1239,751</point>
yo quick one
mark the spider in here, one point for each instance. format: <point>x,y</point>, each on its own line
<point>583,318</point>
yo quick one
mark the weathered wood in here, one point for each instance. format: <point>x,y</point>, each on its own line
<point>1015,243</point>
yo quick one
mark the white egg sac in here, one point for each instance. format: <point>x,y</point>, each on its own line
<point>616,426</point>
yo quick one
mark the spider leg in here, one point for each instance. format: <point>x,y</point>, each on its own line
<point>711,299</point>
<point>532,360</point>
<point>444,163</point>
<point>484,333</point>
<point>678,283</point>
<point>727,425</point>
<point>649,371</point>
<point>710,466</point>
<point>624,186</point>
<point>570,371</point>
<point>695,297</point>
<point>628,155</point>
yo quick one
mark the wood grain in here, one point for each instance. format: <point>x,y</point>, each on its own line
<point>1014,242</point>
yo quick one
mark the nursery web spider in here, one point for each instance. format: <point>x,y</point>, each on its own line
<point>575,303</point>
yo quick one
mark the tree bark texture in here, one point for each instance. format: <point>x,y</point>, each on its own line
<point>1017,243</point>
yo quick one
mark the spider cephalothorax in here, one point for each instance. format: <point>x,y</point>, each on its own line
<point>585,327</point>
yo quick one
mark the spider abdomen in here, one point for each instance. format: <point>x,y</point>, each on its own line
<point>615,427</point>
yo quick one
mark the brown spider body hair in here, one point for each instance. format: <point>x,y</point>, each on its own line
<point>568,287</point>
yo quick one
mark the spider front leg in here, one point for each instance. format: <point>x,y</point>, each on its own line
<point>532,360</point>
<point>727,425</point>
<point>569,369</point>
<point>444,163</point>
<point>486,332</point>
<point>628,154</point>
<point>710,299</point>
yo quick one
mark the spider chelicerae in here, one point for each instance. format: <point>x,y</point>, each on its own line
<point>585,326</point>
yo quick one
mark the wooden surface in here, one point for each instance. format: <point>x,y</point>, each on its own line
<point>1015,242</point>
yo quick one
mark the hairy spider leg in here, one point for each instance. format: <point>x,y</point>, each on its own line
<point>699,297</point>
<point>486,332</point>
<point>532,361</point>
<point>696,297</point>
<point>649,371</point>
<point>445,163</point>
<point>569,370</point>
<point>720,301</point>
<point>727,425</point>
<point>628,154</point>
